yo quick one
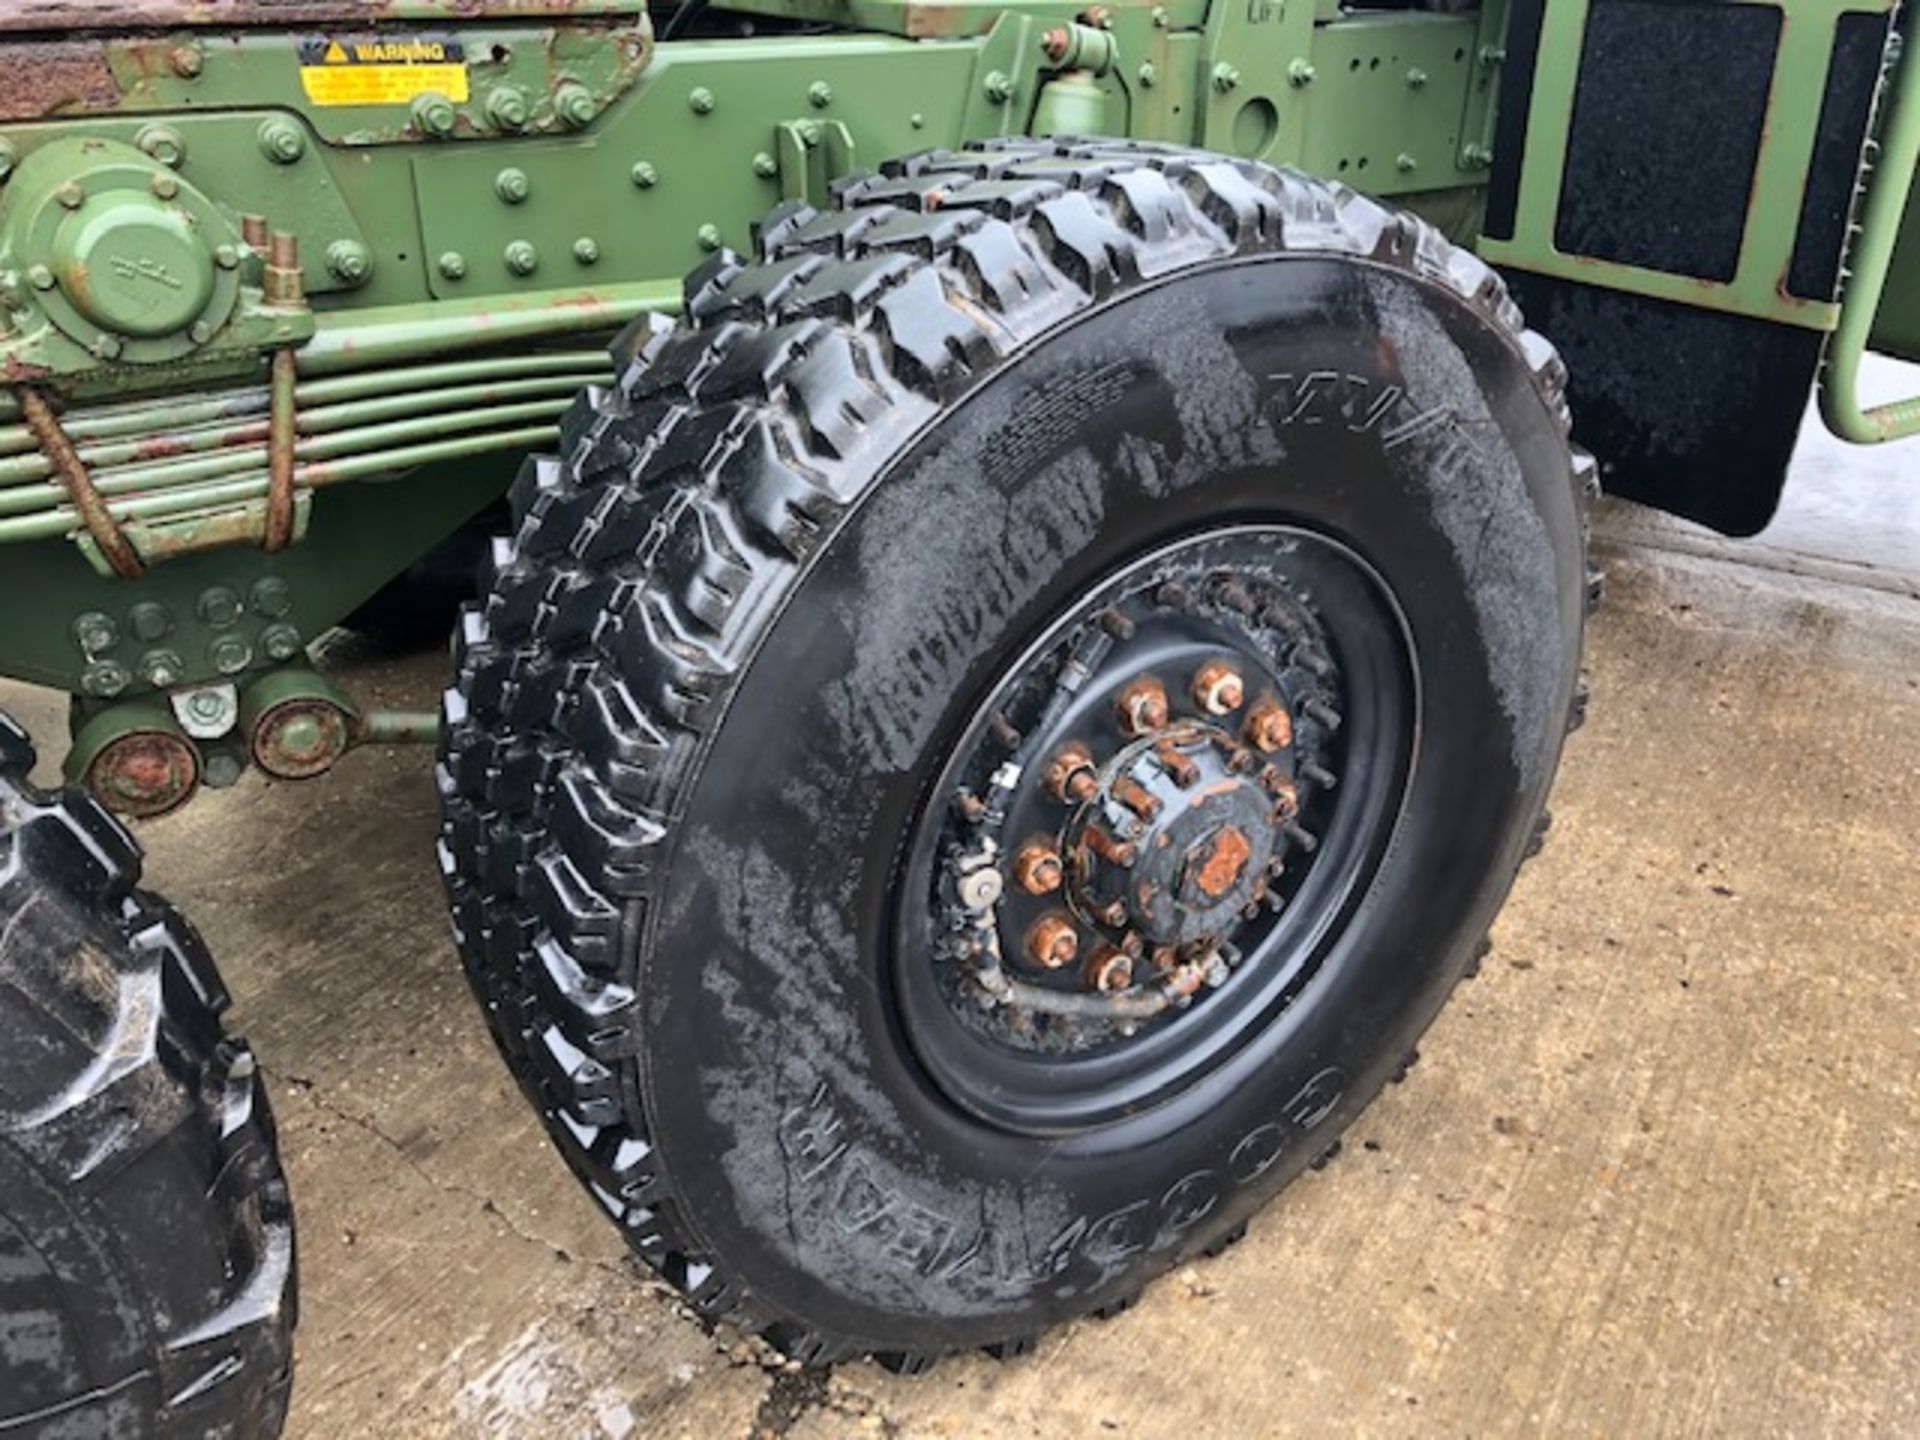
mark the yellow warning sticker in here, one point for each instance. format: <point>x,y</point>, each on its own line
<point>381,71</point>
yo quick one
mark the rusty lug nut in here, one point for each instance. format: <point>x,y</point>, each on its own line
<point>1269,727</point>
<point>1165,957</point>
<point>1069,774</point>
<point>1173,595</point>
<point>1109,969</point>
<point>1052,941</point>
<point>1183,770</point>
<point>1217,688</point>
<point>1116,624</point>
<point>1286,798</point>
<point>1130,793</point>
<point>1036,868</point>
<point>1114,852</point>
<point>1003,731</point>
<point>1142,705</point>
<point>1318,710</point>
<point>1242,762</point>
<point>1115,915</point>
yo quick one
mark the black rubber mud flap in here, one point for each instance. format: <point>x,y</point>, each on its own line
<point>146,1239</point>
<point>699,763</point>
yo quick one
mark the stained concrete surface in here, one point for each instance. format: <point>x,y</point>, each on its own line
<point>1657,1173</point>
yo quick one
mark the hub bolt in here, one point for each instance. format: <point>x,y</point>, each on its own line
<point>1109,969</point>
<point>1217,688</point>
<point>1142,705</point>
<point>1037,868</point>
<point>1069,774</point>
<point>1135,797</point>
<point>1179,766</point>
<point>1053,942</point>
<point>1269,727</point>
<point>1114,852</point>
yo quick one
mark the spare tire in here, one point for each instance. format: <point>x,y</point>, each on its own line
<point>146,1238</point>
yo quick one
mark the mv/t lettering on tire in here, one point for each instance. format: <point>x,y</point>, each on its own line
<point>995,736</point>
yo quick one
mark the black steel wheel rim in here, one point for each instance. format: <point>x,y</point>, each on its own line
<point>1203,869</point>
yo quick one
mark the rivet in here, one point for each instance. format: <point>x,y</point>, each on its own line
<point>708,236</point>
<point>349,261</point>
<point>917,120</point>
<point>644,175</point>
<point>585,250</point>
<point>1225,77</point>
<point>453,265</point>
<point>521,257</point>
<point>819,94</point>
<point>700,100</point>
<point>281,141</point>
<point>574,105</point>
<point>507,108</point>
<point>512,185</point>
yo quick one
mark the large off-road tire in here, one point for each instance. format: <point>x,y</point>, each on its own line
<point>750,708</point>
<point>146,1241</point>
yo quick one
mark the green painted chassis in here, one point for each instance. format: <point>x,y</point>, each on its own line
<point>636,161</point>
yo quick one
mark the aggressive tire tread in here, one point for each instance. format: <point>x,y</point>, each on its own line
<point>645,564</point>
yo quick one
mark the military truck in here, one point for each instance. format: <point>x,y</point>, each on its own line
<point>1031,578</point>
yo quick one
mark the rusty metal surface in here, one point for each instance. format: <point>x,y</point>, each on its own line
<point>51,77</point>
<point>73,476</point>
<point>59,15</point>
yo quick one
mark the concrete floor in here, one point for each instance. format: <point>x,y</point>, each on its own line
<point>1658,1173</point>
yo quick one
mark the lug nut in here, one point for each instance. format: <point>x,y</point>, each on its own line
<point>1115,915</point>
<point>1286,798</point>
<point>1269,727</point>
<point>1052,941</point>
<point>1036,868</point>
<point>1109,969</point>
<point>1069,774</point>
<point>1217,688</point>
<point>1142,705</point>
<point>1114,852</point>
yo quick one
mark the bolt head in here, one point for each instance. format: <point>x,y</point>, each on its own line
<point>199,332</point>
<point>708,237</point>
<point>998,87</point>
<point>105,346</point>
<point>230,654</point>
<point>1225,77</point>
<point>162,668</point>
<point>164,186</point>
<point>105,678</point>
<point>574,105</point>
<point>218,606</point>
<point>71,196</point>
<point>282,142</point>
<point>186,61</point>
<point>40,277</point>
<point>349,261</point>
<point>453,265</point>
<point>1301,72</point>
<point>765,166</point>
<point>1269,727</point>
<point>586,250</point>
<point>162,143</point>
<point>1037,868</point>
<point>281,642</point>
<point>226,257</point>
<point>95,631</point>
<point>512,185</point>
<point>644,175</point>
<point>521,257</point>
<point>700,100</point>
<point>507,108</point>
<point>981,889</point>
<point>1109,969</point>
<point>819,94</point>
<point>1142,705</point>
<point>434,115</point>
